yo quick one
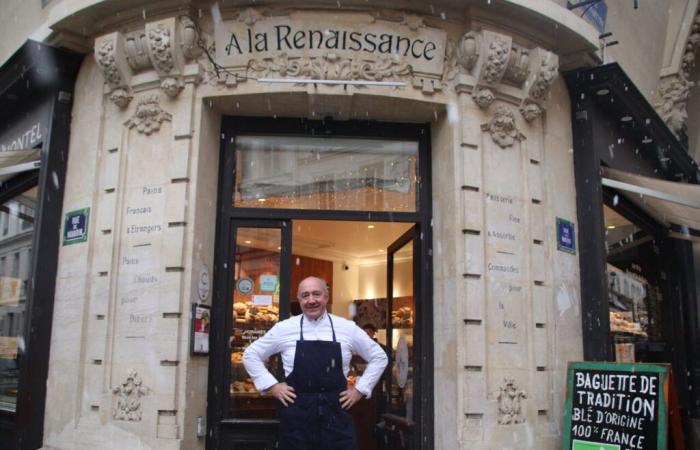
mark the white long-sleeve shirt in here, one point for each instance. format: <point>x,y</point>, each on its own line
<point>282,338</point>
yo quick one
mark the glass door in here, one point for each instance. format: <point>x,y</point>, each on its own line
<point>399,420</point>
<point>257,270</point>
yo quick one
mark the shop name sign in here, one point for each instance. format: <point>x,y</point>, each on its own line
<point>237,43</point>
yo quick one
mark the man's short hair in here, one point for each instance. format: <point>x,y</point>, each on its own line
<point>369,326</point>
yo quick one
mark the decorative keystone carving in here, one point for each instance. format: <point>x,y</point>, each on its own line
<point>483,97</point>
<point>160,48</point>
<point>518,65</point>
<point>468,50</point>
<point>510,399</point>
<point>530,111</point>
<point>673,96</point>
<point>413,21</point>
<point>128,396</point>
<point>110,57</point>
<point>502,128</point>
<point>249,16</point>
<point>137,51</point>
<point>190,44</point>
<point>148,116</point>
<point>546,73</point>
<point>496,60</point>
<point>106,59</point>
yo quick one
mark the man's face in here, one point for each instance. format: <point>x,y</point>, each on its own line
<point>312,298</point>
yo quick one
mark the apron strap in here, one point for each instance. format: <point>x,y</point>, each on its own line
<point>301,327</point>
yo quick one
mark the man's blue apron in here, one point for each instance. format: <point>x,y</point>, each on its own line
<point>316,421</point>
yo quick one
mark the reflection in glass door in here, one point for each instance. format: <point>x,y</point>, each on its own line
<point>255,308</point>
<point>399,421</point>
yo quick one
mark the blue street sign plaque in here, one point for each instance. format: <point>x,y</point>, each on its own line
<point>75,228</point>
<point>566,236</point>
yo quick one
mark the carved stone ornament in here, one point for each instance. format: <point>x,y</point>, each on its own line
<point>106,59</point>
<point>518,65</point>
<point>120,97</point>
<point>148,116</point>
<point>497,61</point>
<point>137,51</point>
<point>330,67</point>
<point>510,403</point>
<point>483,97</point>
<point>673,96</point>
<point>502,128</point>
<point>530,111</point>
<point>547,73</point>
<point>127,404</point>
<point>171,86</point>
<point>190,38</point>
<point>159,43</point>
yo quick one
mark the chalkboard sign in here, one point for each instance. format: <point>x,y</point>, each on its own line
<point>613,406</point>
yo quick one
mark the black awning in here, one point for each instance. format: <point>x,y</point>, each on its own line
<point>622,113</point>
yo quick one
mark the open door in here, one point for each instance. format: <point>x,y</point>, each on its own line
<point>398,422</point>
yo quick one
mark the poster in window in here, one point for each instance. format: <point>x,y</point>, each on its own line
<point>201,320</point>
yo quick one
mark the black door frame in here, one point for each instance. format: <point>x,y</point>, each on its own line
<point>227,214</point>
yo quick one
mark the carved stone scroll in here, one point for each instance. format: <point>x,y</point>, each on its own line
<point>493,59</point>
<point>483,97</point>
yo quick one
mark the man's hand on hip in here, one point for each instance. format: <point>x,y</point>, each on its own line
<point>349,397</point>
<point>283,392</point>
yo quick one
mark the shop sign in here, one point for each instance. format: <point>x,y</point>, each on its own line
<point>566,236</point>
<point>25,133</point>
<point>75,228</point>
<point>237,42</point>
<point>617,406</point>
<point>245,286</point>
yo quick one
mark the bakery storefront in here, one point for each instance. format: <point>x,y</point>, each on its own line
<point>408,159</point>
<point>639,219</point>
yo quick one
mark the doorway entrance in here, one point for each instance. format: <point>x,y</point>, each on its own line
<point>278,229</point>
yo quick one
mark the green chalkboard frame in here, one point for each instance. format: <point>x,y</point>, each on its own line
<point>663,370</point>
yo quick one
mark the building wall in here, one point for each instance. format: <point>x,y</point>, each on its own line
<point>506,301</point>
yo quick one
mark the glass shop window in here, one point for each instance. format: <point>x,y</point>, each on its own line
<point>635,299</point>
<point>326,173</point>
<point>13,302</point>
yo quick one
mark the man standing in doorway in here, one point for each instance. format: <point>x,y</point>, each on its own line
<point>316,349</point>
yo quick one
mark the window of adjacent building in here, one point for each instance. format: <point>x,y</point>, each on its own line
<point>326,173</point>
<point>13,274</point>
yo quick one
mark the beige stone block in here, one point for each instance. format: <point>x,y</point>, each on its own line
<point>543,391</point>
<point>176,203</point>
<point>474,254</point>
<point>474,289</point>
<point>179,159</point>
<point>471,167</point>
<point>167,425</point>
<point>538,263</point>
<point>102,256</point>
<point>109,178</point>
<point>475,336</point>
<point>182,113</point>
<point>535,182</point>
<point>475,401</point>
<point>539,303</point>
<point>473,210</point>
<point>533,143</point>
<point>165,387</point>
<point>96,339</point>
<point>537,222</point>
<point>173,241</point>
<point>106,211</point>
<point>542,352</point>
<point>167,336</point>
<point>471,128</point>
<point>170,293</point>
<point>94,379</point>
<point>113,133</point>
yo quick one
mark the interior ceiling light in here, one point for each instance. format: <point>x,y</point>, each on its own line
<point>371,227</point>
<point>247,242</point>
<point>611,227</point>
<point>262,200</point>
